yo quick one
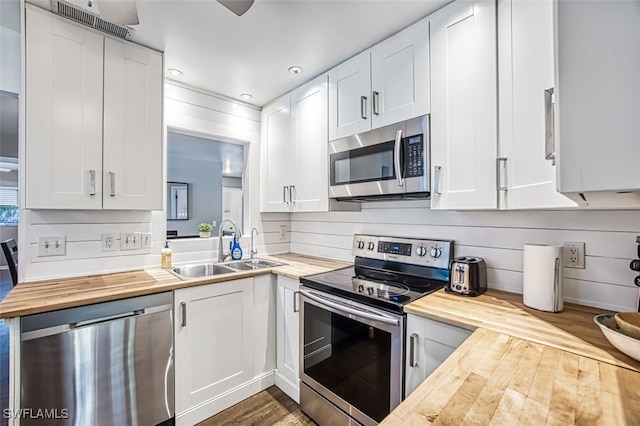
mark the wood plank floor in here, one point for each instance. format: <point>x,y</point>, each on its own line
<point>269,407</point>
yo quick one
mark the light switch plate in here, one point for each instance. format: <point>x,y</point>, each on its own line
<point>131,241</point>
<point>52,246</point>
<point>146,240</point>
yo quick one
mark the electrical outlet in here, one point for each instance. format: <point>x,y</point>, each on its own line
<point>573,255</point>
<point>52,246</point>
<point>146,240</point>
<point>283,232</point>
<point>131,241</point>
<point>109,242</point>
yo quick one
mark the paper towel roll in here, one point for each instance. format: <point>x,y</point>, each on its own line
<point>542,277</point>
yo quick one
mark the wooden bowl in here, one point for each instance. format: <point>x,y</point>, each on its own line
<point>629,323</point>
<point>626,344</point>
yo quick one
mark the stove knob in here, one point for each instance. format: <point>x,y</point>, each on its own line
<point>360,244</point>
<point>370,291</point>
<point>360,288</point>
<point>435,252</point>
<point>371,245</point>
<point>421,251</point>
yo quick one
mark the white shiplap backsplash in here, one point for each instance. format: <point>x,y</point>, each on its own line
<point>498,237</point>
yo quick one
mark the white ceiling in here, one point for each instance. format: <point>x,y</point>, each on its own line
<point>223,53</point>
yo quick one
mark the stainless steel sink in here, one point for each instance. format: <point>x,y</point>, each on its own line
<point>252,264</point>
<point>190,272</point>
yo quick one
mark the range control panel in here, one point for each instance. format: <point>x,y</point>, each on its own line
<point>424,252</point>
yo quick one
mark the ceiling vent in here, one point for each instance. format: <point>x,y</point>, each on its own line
<point>89,19</point>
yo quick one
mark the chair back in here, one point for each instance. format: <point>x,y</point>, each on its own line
<point>10,250</point>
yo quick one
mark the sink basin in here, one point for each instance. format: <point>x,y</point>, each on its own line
<point>250,265</point>
<point>190,272</point>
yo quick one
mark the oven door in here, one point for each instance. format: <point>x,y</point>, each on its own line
<point>350,354</point>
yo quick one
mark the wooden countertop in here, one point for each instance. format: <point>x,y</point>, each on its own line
<point>522,367</point>
<point>42,296</point>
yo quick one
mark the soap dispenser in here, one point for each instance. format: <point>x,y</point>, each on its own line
<point>236,250</point>
<point>166,256</point>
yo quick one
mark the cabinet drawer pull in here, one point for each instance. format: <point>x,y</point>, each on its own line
<point>413,347</point>
<point>296,303</point>
<point>363,107</point>
<point>183,309</point>
<point>376,103</point>
<point>92,182</point>
<point>549,123</point>
<point>112,184</point>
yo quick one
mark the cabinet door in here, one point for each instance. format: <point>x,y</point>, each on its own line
<point>309,117</point>
<point>214,341</point>
<point>525,54</point>
<point>287,336</point>
<point>400,76</point>
<point>276,158</point>
<point>264,320</point>
<point>63,150</point>
<point>464,106</point>
<point>350,97</point>
<point>132,127</point>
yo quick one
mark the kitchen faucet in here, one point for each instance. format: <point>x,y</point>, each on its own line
<point>252,250</point>
<point>222,255</point>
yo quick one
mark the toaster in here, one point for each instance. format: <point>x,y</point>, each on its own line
<point>468,276</point>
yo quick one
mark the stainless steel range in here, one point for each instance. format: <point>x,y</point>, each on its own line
<point>352,327</point>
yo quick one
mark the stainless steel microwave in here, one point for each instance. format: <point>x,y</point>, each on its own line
<point>391,162</point>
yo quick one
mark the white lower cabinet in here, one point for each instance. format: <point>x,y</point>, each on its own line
<point>287,336</point>
<point>429,343</point>
<point>224,353</point>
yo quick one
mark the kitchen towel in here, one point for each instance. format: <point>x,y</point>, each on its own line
<point>542,277</point>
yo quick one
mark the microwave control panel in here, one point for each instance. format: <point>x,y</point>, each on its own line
<point>414,156</point>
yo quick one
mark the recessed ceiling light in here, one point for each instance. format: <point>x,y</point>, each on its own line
<point>174,72</point>
<point>295,69</point>
<point>246,96</point>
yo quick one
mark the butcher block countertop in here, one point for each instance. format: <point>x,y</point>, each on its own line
<point>522,367</point>
<point>42,296</point>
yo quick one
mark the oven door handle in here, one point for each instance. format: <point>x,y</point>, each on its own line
<point>396,158</point>
<point>346,309</point>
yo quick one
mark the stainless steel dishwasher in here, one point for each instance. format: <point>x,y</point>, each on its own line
<point>104,364</point>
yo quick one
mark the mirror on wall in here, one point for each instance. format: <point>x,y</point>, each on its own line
<point>204,183</point>
<point>177,201</point>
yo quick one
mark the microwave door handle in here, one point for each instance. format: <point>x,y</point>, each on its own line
<point>396,158</point>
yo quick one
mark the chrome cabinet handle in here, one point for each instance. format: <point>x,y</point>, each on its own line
<point>183,306</point>
<point>112,184</point>
<point>296,298</point>
<point>292,192</point>
<point>376,103</point>
<point>556,285</point>
<point>363,107</point>
<point>549,122</point>
<point>499,186</point>
<point>284,194</point>
<point>413,347</point>
<point>92,182</point>
<point>437,171</point>
<point>396,158</point>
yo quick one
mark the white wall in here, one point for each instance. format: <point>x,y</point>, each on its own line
<point>188,110</point>
<point>498,237</point>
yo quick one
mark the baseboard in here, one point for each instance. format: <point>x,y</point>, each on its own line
<point>285,385</point>
<point>221,402</point>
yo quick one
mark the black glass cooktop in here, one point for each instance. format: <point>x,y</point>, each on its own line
<point>385,289</point>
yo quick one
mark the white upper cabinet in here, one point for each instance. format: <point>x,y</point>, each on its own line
<point>383,85</point>
<point>276,157</point>
<point>597,101</point>
<point>310,189</point>
<point>64,68</point>
<point>400,76</point>
<point>525,55</point>
<point>464,106</point>
<point>349,97</point>
<point>93,119</point>
<point>294,151</point>
<point>132,158</point>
